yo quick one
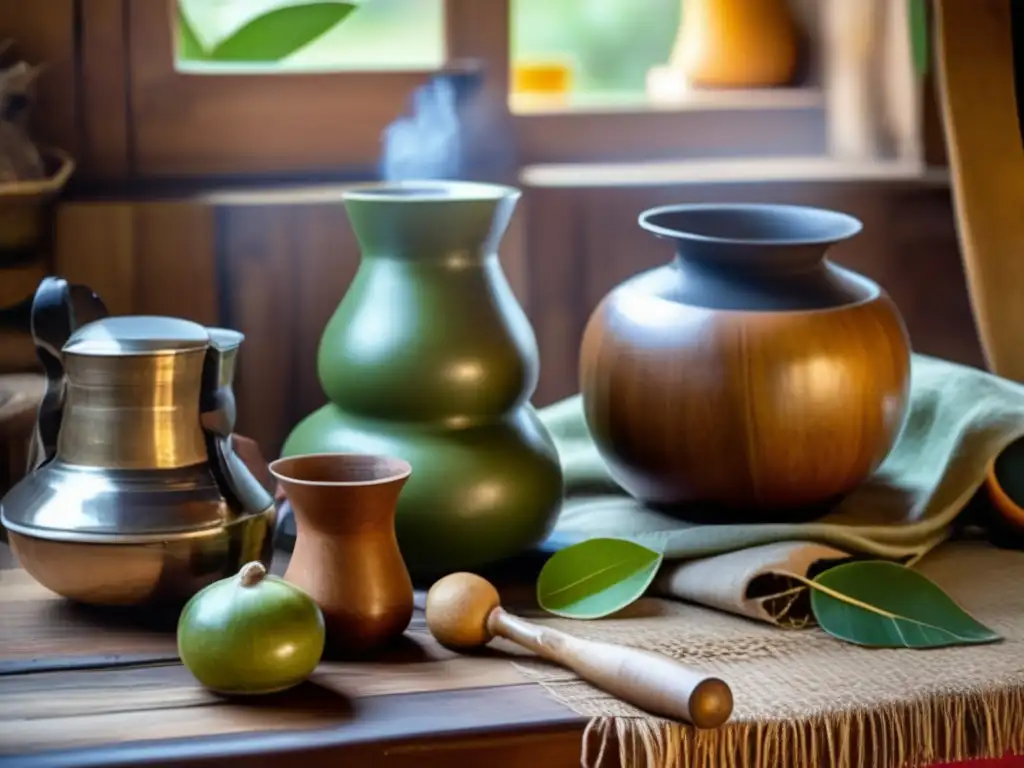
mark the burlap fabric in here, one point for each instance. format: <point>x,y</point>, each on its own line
<point>805,699</point>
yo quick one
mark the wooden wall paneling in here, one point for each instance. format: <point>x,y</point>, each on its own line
<point>95,246</point>
<point>515,258</point>
<point>615,246</point>
<point>175,263</point>
<point>908,233</point>
<point>480,31</point>
<point>44,34</point>
<point>554,244</point>
<point>223,124</point>
<point>103,57</point>
<point>925,276</point>
<point>325,258</point>
<point>17,283</point>
<point>261,300</point>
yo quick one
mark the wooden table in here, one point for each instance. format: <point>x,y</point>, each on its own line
<point>416,705</point>
<point>83,688</point>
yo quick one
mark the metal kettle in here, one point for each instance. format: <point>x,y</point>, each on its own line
<point>135,495</point>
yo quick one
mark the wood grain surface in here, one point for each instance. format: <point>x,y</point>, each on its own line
<point>80,686</point>
<point>975,61</point>
<point>694,404</point>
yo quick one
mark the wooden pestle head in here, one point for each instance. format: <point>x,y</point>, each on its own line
<point>457,610</point>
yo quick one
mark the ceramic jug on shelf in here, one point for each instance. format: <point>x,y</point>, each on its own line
<point>737,43</point>
<point>136,494</point>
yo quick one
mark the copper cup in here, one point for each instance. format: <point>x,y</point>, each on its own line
<point>346,554</point>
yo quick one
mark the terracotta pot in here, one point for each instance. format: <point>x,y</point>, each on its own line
<point>736,43</point>
<point>346,555</point>
<point>429,358</point>
<point>750,371</point>
<point>1005,490</point>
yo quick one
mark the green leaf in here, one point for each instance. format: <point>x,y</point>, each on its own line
<point>279,33</point>
<point>885,605</point>
<point>596,577</point>
<point>189,47</point>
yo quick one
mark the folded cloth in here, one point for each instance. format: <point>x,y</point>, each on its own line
<point>960,418</point>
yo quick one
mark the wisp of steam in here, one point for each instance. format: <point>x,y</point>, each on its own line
<point>428,143</point>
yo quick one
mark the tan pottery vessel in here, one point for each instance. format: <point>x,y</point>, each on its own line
<point>737,43</point>
<point>346,555</point>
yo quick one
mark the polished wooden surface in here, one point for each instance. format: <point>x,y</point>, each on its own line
<point>980,105</point>
<point>744,409</point>
<point>88,687</point>
<point>81,688</point>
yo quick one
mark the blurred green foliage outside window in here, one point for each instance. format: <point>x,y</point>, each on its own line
<point>609,44</point>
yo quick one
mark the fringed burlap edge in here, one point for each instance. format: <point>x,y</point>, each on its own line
<point>950,728</point>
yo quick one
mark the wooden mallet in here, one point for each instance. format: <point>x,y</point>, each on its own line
<point>464,611</point>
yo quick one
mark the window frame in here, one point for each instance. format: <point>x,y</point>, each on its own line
<point>166,123</point>
<point>185,124</point>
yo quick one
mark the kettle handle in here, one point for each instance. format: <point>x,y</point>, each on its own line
<point>217,417</point>
<point>58,310</point>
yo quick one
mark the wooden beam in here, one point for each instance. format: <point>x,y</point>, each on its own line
<point>44,34</point>
<point>983,137</point>
<point>104,67</point>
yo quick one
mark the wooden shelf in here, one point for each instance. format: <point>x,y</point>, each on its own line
<point>694,100</point>
<point>729,171</point>
<point>581,175</point>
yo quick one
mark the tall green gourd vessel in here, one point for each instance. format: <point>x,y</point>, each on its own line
<point>430,358</point>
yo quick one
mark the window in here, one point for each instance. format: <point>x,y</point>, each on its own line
<point>320,110</point>
<point>603,49</point>
<point>563,81</point>
<point>377,36</point>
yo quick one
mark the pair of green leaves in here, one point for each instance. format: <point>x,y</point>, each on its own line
<point>268,38</point>
<point>872,603</point>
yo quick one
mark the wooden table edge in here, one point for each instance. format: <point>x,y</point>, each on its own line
<point>542,718</point>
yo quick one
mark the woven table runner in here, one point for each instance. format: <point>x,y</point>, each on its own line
<point>805,699</point>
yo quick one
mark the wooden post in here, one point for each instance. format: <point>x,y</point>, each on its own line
<point>983,139</point>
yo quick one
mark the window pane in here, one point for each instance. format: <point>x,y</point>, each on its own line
<point>596,49</point>
<point>374,35</point>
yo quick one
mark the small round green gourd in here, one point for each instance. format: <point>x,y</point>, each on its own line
<point>251,634</point>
